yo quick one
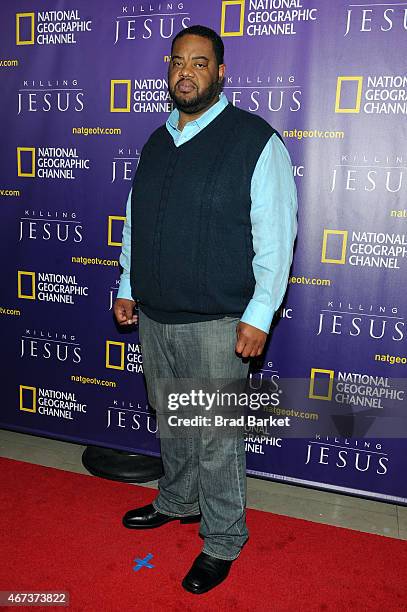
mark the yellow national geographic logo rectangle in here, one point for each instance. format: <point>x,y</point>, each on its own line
<point>109,364</point>
<point>225,5</point>
<point>113,107</point>
<point>21,150</point>
<point>20,16</point>
<point>358,97</point>
<point>342,258</point>
<point>28,398</point>
<point>20,293</point>
<point>330,380</point>
<point>110,240</point>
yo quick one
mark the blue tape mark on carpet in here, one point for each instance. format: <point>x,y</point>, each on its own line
<point>143,563</point>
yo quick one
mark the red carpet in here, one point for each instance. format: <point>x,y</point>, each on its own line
<point>62,531</point>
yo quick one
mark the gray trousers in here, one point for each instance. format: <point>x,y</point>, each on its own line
<point>202,473</point>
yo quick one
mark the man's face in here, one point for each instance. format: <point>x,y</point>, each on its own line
<point>194,77</point>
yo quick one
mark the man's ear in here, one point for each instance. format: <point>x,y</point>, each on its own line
<point>222,69</point>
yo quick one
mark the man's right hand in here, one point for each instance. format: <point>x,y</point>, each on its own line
<point>123,311</point>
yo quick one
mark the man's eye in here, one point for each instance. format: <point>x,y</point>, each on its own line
<point>200,65</point>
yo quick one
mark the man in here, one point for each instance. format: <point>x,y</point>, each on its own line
<point>207,247</point>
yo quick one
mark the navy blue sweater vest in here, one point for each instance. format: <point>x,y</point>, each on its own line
<point>191,242</point>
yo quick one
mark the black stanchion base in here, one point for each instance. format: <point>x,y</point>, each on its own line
<point>121,465</point>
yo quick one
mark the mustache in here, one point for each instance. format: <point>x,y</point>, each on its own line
<point>184,79</point>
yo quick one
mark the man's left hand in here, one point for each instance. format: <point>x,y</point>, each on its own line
<point>250,340</point>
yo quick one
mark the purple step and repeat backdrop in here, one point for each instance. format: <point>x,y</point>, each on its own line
<point>83,86</point>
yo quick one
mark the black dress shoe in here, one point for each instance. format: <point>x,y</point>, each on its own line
<point>148,517</point>
<point>205,574</point>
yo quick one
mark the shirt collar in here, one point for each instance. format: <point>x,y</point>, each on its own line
<point>205,118</point>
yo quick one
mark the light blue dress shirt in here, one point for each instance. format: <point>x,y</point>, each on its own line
<point>273,217</point>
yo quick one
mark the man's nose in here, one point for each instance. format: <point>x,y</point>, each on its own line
<point>186,70</point>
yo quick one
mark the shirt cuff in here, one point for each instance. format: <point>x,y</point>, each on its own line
<point>124,291</point>
<point>259,315</point>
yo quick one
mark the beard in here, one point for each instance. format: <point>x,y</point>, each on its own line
<point>197,102</point>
